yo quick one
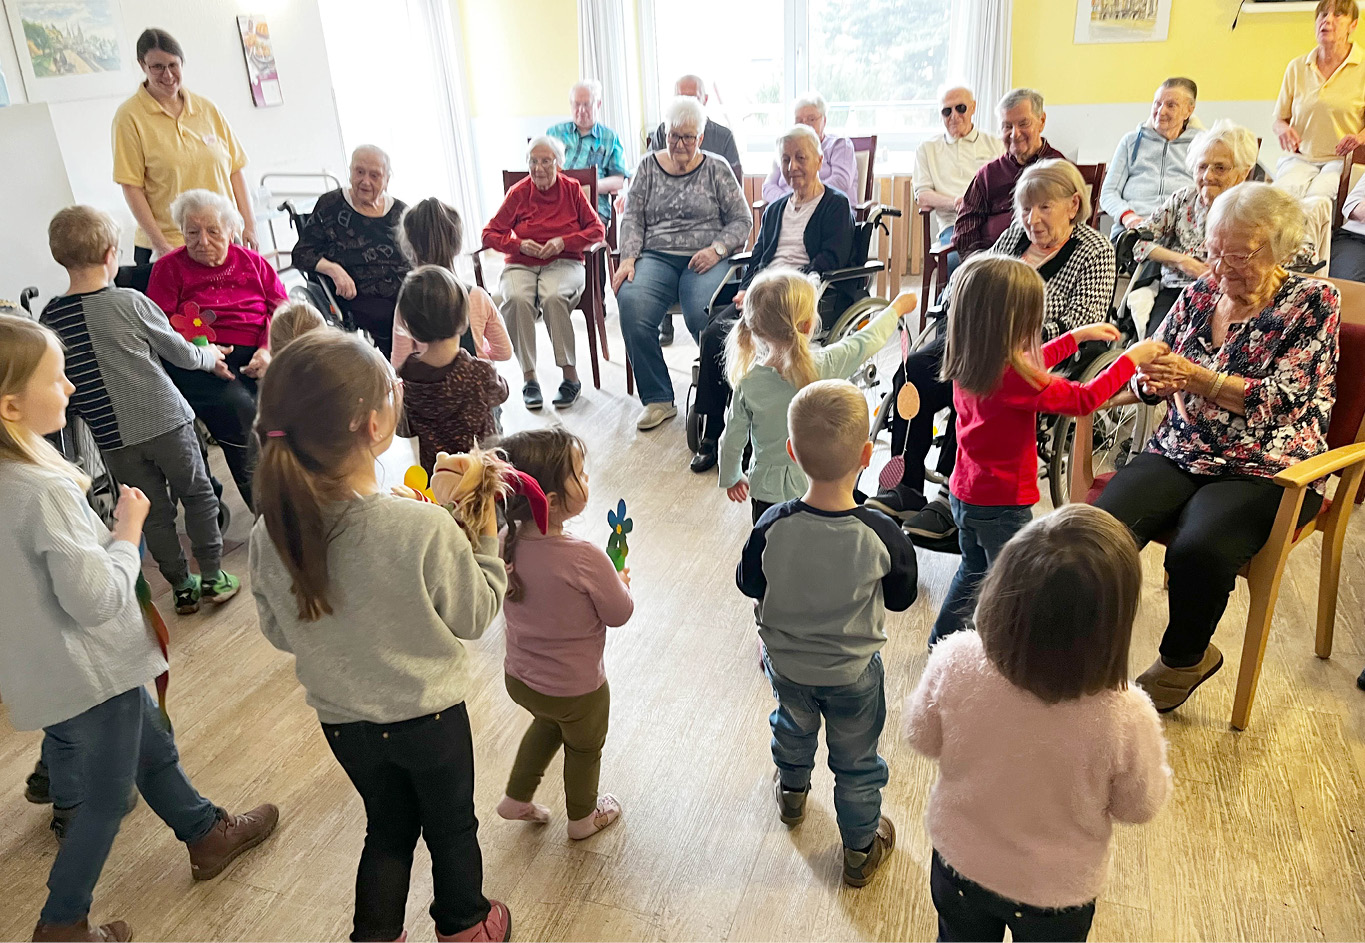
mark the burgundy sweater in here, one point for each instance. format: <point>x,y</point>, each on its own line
<point>988,204</point>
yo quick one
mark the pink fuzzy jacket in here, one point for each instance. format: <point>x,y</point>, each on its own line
<point>1027,791</point>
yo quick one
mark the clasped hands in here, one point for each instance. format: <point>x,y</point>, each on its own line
<point>1166,375</point>
<point>542,250</point>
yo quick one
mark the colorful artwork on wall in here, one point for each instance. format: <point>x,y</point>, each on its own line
<point>1122,21</point>
<point>261,73</point>
<point>71,49</point>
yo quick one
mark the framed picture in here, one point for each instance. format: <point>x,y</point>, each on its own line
<point>1122,21</point>
<point>71,49</point>
<point>261,73</point>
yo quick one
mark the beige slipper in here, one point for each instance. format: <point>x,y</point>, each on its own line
<point>608,810</point>
<point>1170,687</point>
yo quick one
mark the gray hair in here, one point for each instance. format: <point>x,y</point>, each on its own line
<point>1052,179</point>
<point>1265,210</point>
<point>811,100</point>
<point>1018,96</point>
<point>1237,139</point>
<point>695,79</point>
<point>685,112</point>
<point>375,151</point>
<point>592,86</point>
<point>553,143</point>
<point>802,134</point>
<point>193,202</point>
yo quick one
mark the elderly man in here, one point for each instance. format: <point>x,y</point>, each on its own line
<point>945,166</point>
<point>589,143</point>
<point>988,205</point>
<point>719,139</point>
<point>840,167</point>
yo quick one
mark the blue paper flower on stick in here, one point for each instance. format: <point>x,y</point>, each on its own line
<point>617,549</point>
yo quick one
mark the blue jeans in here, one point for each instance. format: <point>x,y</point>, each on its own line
<point>662,280</point>
<point>981,533</point>
<point>945,238</point>
<point>854,716</point>
<point>112,747</point>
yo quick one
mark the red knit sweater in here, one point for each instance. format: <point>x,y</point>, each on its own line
<point>242,293</point>
<point>528,213</point>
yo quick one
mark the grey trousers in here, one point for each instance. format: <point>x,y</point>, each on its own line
<point>553,289</point>
<point>165,468</point>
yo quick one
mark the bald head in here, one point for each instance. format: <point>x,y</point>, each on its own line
<point>691,86</point>
<point>957,106</point>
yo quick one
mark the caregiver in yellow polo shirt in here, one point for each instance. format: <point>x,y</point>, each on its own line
<point>168,140</point>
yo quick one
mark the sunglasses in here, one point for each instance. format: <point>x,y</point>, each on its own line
<point>960,108</point>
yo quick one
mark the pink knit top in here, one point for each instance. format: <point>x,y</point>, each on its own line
<point>1027,791</point>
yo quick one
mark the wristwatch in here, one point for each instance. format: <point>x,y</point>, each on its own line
<point>720,248</point>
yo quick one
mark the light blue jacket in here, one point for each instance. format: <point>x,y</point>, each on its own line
<point>1145,171</point>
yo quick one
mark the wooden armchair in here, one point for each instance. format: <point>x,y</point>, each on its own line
<point>1345,461</point>
<point>1344,184</point>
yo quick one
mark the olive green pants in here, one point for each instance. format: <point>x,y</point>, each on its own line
<point>579,724</point>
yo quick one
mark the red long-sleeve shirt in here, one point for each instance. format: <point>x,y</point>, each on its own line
<point>529,213</point>
<point>997,445</point>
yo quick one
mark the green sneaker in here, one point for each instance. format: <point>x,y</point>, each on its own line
<point>221,588</point>
<point>187,596</point>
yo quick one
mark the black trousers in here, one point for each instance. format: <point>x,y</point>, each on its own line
<point>915,437</point>
<point>417,780</point>
<point>1348,256</point>
<point>228,408</point>
<point>1166,298</point>
<point>1219,523</point>
<point>759,507</point>
<point>968,912</point>
<point>374,315</point>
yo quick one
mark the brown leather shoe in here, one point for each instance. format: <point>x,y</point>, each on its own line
<point>231,835</point>
<point>1170,687</point>
<point>859,866</point>
<point>80,930</point>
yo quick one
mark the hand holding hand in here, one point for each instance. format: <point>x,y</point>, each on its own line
<point>739,491</point>
<point>1103,331</point>
<point>625,272</point>
<point>1166,374</point>
<point>1146,351</point>
<point>130,513</point>
<point>256,367</point>
<point>704,260</point>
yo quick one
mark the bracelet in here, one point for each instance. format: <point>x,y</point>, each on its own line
<point>1217,386</point>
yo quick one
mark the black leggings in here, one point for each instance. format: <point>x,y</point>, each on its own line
<point>915,437</point>
<point>1219,524</point>
<point>967,911</point>
<point>228,408</point>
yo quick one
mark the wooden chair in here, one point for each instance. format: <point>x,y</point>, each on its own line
<point>1344,460</point>
<point>865,154</point>
<point>1344,185</point>
<point>593,301</point>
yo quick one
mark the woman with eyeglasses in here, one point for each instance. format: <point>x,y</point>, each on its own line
<point>1250,382</point>
<point>1150,163</point>
<point>685,215</point>
<point>839,167</point>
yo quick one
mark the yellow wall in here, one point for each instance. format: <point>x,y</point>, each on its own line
<point>521,56</point>
<point>1245,64</point>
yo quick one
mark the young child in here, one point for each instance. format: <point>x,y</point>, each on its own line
<point>1042,743</point>
<point>769,357</point>
<point>562,593</point>
<point>292,319</point>
<point>115,339</point>
<point>824,570</point>
<point>1000,384</point>
<point>372,594</point>
<point>449,396</point>
<point>76,652</point>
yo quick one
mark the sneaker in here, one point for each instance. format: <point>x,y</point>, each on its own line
<point>38,787</point>
<point>608,810</point>
<point>230,837</point>
<point>187,596</point>
<point>221,588</point>
<point>859,866</point>
<point>791,805</point>
<point>666,331</point>
<point>1170,687</point>
<point>81,930</point>
<point>898,501</point>
<point>654,414</point>
<point>568,394</point>
<point>706,457</point>
<point>496,926</point>
<point>61,821</point>
<point>531,396</point>
<point>933,527</point>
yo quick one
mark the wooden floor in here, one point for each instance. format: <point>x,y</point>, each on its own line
<point>1264,840</point>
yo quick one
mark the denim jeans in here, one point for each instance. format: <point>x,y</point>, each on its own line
<point>945,238</point>
<point>854,716</point>
<point>63,770</point>
<point>981,533</point>
<point>112,747</point>
<point>968,912</point>
<point>662,280</point>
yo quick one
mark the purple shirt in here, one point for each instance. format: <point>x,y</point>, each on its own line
<point>840,171</point>
<point>988,204</point>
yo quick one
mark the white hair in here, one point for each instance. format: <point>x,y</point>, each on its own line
<point>803,134</point>
<point>1265,210</point>
<point>685,112</point>
<point>811,100</point>
<point>1018,96</point>
<point>592,86</point>
<point>374,151</point>
<point>944,89</point>
<point>193,202</point>
<point>695,79</point>
<point>553,143</point>
<point>1237,139</point>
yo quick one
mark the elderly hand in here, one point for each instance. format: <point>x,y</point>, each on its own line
<point>958,204</point>
<point>340,278</point>
<point>739,491</point>
<point>1192,267</point>
<point>1166,374</point>
<point>703,261</point>
<point>552,248</point>
<point>625,272</point>
<point>256,368</point>
<point>1132,221</point>
<point>532,248</point>
<point>1289,140</point>
<point>1349,143</point>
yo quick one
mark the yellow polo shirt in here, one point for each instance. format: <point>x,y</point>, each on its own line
<point>166,156</point>
<point>1323,111</point>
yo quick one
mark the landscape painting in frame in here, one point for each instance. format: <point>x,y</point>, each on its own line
<point>71,49</point>
<point>1123,21</point>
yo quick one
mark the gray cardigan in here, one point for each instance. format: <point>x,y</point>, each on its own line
<point>684,213</point>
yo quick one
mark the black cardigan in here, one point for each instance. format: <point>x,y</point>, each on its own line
<point>828,240</point>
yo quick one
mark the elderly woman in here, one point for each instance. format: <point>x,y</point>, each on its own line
<point>211,275</point>
<point>544,226</point>
<point>1150,163</point>
<point>351,237</point>
<point>810,227</point>
<point>839,168</point>
<point>1320,114</point>
<point>168,140</point>
<point>1252,379</point>
<point>1051,203</point>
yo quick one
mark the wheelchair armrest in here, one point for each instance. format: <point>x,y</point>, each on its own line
<point>870,267</point>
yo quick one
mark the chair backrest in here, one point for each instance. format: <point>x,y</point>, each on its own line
<point>1093,174</point>
<point>865,153</point>
<point>1348,414</point>
<point>1344,184</point>
<point>586,177</point>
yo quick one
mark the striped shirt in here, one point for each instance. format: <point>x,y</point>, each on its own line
<point>113,339</point>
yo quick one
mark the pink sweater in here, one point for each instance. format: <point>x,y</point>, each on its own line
<point>490,334</point>
<point>242,292</point>
<point>1028,792</point>
<point>556,633</point>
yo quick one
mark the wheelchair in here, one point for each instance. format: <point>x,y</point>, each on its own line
<point>313,287</point>
<point>857,275</point>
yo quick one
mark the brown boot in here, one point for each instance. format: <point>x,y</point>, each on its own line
<point>859,866</point>
<point>80,930</point>
<point>231,835</point>
<point>1170,687</point>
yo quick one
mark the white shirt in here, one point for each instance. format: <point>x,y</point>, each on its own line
<point>1347,208</point>
<point>791,238</point>
<point>947,166</point>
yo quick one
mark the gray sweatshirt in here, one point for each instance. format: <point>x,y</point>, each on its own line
<point>686,213</point>
<point>405,588</point>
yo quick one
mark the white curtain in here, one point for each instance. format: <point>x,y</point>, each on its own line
<point>607,53</point>
<point>443,33</point>
<point>979,49</point>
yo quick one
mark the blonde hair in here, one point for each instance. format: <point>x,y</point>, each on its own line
<point>291,319</point>
<point>1052,179</point>
<point>996,320</point>
<point>779,314</point>
<point>827,423</point>
<point>23,344</point>
<point>81,235</point>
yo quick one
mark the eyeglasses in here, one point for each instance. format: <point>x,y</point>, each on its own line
<point>675,138</point>
<point>1236,261</point>
<point>960,108</point>
<point>541,162</point>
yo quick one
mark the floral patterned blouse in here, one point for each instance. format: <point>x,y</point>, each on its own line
<point>1287,356</point>
<point>1178,226</point>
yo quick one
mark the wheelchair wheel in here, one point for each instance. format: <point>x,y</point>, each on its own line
<point>857,317</point>
<point>224,517</point>
<point>1114,430</point>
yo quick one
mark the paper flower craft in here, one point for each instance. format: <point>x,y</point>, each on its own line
<point>194,324</point>
<point>417,482</point>
<point>621,525</point>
